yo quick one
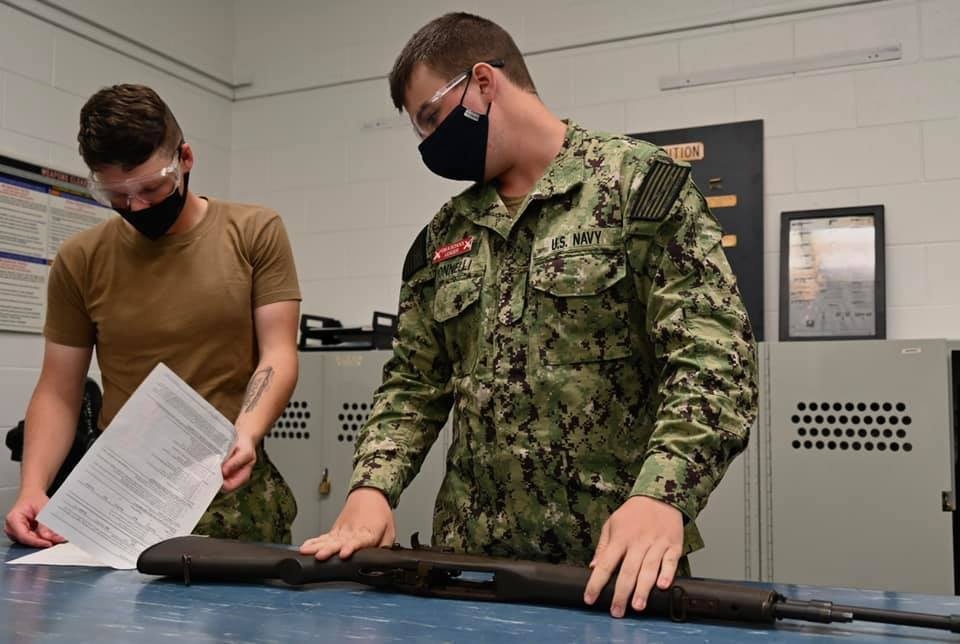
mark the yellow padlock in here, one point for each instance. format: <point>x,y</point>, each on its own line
<point>324,487</point>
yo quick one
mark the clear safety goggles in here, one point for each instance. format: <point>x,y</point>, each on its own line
<point>149,189</point>
<point>427,118</point>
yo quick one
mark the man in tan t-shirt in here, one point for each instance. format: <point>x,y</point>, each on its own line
<point>205,286</point>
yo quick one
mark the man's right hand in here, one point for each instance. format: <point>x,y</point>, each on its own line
<point>365,521</point>
<point>22,525</point>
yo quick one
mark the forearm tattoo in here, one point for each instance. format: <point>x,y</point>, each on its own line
<point>259,383</point>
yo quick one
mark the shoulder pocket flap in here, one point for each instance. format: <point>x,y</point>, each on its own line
<point>579,274</point>
<point>454,297</point>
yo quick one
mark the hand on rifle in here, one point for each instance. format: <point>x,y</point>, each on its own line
<point>644,537</point>
<point>365,521</point>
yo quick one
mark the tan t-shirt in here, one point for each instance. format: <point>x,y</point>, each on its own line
<point>186,300</point>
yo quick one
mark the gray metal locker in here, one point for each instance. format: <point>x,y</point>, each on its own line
<point>316,435</point>
<point>730,523</point>
<point>857,464</point>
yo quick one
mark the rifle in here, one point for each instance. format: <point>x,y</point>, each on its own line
<point>433,573</point>
<point>87,433</point>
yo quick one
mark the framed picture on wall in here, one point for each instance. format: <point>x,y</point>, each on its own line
<point>832,278</point>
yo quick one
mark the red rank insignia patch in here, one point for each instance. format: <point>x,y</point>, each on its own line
<point>461,247</point>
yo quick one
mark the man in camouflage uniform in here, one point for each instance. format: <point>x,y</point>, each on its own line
<point>575,309</point>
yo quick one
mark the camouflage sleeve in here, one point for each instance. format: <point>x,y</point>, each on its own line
<point>414,400</point>
<point>706,357</point>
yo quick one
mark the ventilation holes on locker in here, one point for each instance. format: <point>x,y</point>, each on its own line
<point>884,425</point>
<point>294,422</point>
<point>350,420</point>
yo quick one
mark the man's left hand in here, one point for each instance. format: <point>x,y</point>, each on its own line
<point>239,465</point>
<point>645,538</point>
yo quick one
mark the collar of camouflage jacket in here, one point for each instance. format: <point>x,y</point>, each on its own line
<point>482,205</point>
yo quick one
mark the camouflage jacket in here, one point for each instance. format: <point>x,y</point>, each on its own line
<point>592,347</point>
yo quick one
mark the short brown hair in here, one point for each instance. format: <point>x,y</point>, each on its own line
<point>125,125</point>
<point>453,43</point>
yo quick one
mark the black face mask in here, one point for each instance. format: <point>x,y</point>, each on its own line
<point>155,221</point>
<point>457,149</point>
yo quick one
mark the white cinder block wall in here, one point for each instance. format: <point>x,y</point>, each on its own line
<point>46,74</point>
<point>355,195</point>
<point>343,169</point>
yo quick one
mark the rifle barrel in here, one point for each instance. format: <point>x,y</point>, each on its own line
<point>826,612</point>
<point>904,618</point>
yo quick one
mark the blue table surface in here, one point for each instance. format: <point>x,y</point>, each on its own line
<point>77,604</point>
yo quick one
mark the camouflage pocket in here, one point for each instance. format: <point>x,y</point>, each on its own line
<point>454,306</point>
<point>263,509</point>
<point>583,307</point>
<point>454,297</point>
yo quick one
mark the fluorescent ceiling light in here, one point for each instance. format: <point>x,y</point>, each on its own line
<point>783,67</point>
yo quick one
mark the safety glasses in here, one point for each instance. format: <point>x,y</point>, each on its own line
<point>427,118</point>
<point>150,189</point>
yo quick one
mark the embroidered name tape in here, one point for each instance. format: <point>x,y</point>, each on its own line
<point>575,239</point>
<point>455,249</point>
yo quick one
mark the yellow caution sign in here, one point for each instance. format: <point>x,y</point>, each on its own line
<point>692,151</point>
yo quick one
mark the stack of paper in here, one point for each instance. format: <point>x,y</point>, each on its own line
<point>149,477</point>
